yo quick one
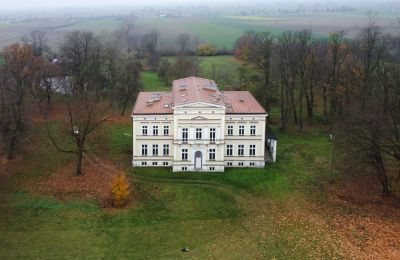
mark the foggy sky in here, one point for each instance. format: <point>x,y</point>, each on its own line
<point>40,4</point>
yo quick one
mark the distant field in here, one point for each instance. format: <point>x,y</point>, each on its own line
<point>221,31</point>
<point>5,25</point>
<point>253,18</point>
<point>217,34</point>
<point>96,25</point>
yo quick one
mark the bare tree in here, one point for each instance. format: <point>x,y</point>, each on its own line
<point>371,118</point>
<point>149,47</point>
<point>164,70</point>
<point>38,40</point>
<point>184,66</point>
<point>288,73</point>
<point>261,58</point>
<point>125,36</point>
<point>369,51</point>
<point>127,85</point>
<point>17,74</point>
<point>86,110</point>
<point>338,51</point>
<point>306,55</point>
<point>47,81</point>
<point>183,42</point>
<point>84,117</point>
<point>82,60</point>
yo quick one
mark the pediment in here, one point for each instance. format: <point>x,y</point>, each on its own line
<point>199,118</point>
<point>200,105</point>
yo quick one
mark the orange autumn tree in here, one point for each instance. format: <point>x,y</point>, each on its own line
<point>16,77</point>
<point>120,189</point>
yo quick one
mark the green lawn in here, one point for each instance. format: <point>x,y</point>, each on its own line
<point>225,65</point>
<point>151,82</point>
<point>237,214</point>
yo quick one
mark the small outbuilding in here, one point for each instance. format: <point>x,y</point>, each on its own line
<point>271,145</point>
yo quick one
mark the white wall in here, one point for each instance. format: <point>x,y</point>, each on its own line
<point>204,116</point>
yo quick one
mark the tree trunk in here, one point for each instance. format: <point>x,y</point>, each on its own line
<point>283,114</point>
<point>325,101</point>
<point>301,111</point>
<point>293,105</point>
<point>310,102</point>
<point>48,98</point>
<point>11,148</point>
<point>79,162</point>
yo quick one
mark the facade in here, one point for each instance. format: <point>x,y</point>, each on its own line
<point>197,127</point>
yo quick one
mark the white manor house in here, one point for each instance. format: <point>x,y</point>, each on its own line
<point>197,127</point>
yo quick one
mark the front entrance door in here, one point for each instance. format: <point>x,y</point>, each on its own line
<point>198,160</point>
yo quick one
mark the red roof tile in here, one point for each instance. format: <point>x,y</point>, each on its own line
<point>194,89</point>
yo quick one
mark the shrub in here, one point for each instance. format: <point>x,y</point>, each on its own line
<point>206,50</point>
<point>120,190</point>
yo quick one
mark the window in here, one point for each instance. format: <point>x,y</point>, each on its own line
<point>155,163</point>
<point>144,163</point>
<point>144,129</point>
<point>212,168</point>
<point>165,163</point>
<point>212,155</point>
<point>252,164</point>
<point>166,149</point>
<point>240,164</point>
<point>155,149</point>
<point>252,150</point>
<point>253,130</point>
<point>229,150</point>
<point>229,164</point>
<point>184,154</point>
<point>184,168</point>
<point>241,150</point>
<point>212,134</point>
<point>199,133</point>
<point>230,129</point>
<point>241,130</point>
<point>166,130</point>
<point>155,130</point>
<point>144,149</point>
<point>185,134</point>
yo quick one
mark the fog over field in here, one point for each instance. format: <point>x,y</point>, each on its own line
<point>216,22</point>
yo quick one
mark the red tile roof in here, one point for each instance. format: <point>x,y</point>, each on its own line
<point>194,89</point>
<point>241,102</point>
<point>153,103</point>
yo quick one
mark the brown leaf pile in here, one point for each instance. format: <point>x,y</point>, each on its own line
<point>367,224</point>
<point>295,225</point>
<point>94,183</point>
